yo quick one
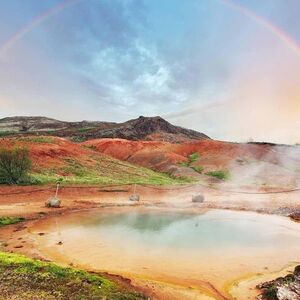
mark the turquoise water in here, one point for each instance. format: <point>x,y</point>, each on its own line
<point>179,247</point>
<point>213,229</point>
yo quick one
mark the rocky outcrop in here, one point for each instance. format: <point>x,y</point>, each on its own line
<point>283,288</point>
<point>147,128</point>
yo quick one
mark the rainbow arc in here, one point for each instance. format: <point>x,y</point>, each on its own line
<point>283,36</point>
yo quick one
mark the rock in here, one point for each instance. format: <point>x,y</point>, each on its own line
<point>134,197</point>
<point>53,202</point>
<point>282,288</point>
<point>297,271</point>
<point>285,293</point>
<point>198,198</point>
<point>295,216</point>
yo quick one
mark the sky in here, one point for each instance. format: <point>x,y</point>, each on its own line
<point>227,68</point>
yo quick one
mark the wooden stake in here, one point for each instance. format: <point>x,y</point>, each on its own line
<point>57,187</point>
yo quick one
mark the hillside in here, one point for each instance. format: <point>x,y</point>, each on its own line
<point>142,128</point>
<point>257,165</point>
<point>54,157</point>
<point>122,161</point>
<point>104,152</point>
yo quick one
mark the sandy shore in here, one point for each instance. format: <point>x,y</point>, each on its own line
<point>28,202</point>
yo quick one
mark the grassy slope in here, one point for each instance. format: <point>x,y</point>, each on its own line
<point>77,164</point>
<point>105,171</point>
<point>24,278</point>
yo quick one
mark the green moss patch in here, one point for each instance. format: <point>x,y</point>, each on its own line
<point>38,139</point>
<point>220,174</point>
<point>10,220</point>
<point>194,157</point>
<point>6,133</point>
<point>25,278</point>
<point>85,129</point>
<point>198,169</point>
<point>191,158</point>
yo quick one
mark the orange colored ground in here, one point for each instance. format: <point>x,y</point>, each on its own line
<point>256,165</point>
<point>216,153</point>
<point>153,154</point>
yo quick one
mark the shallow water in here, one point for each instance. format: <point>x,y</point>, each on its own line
<point>189,231</point>
<point>212,229</point>
<point>215,246</point>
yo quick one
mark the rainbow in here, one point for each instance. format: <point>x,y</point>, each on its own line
<point>276,31</point>
<point>34,23</point>
<point>291,43</point>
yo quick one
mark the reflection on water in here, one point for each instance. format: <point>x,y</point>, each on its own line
<point>213,229</point>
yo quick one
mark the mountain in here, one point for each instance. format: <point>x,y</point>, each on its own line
<point>142,128</point>
<point>44,125</point>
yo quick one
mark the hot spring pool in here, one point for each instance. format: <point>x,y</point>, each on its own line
<point>177,247</point>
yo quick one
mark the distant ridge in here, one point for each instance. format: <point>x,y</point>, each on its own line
<point>142,128</point>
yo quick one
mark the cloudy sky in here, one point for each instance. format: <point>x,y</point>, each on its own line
<point>230,69</point>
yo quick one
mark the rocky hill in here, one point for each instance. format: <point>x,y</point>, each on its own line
<point>142,128</point>
<point>44,125</point>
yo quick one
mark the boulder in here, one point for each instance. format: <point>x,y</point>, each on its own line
<point>53,202</point>
<point>286,293</point>
<point>134,197</point>
<point>198,198</point>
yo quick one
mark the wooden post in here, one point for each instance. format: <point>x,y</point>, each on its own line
<point>57,187</point>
